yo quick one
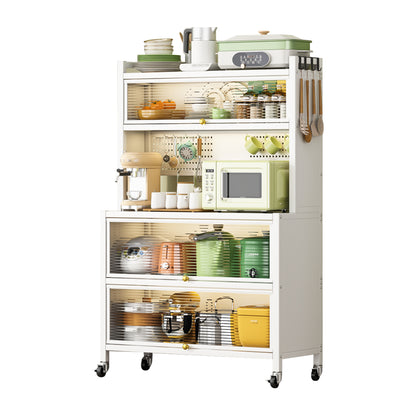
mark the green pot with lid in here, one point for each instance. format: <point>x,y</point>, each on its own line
<point>217,253</point>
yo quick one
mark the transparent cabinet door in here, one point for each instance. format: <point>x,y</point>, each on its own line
<point>172,250</point>
<point>191,317</point>
<point>241,100</point>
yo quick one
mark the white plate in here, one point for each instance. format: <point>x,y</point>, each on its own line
<point>158,52</point>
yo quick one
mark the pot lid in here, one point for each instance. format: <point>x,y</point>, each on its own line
<point>264,36</point>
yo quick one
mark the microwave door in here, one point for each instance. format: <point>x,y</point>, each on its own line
<point>242,189</point>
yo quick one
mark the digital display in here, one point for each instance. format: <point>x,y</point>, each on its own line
<point>251,59</point>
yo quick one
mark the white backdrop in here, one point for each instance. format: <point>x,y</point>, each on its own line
<point>58,141</point>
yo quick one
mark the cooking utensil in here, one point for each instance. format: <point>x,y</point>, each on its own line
<point>304,127</point>
<point>320,121</point>
<point>217,253</point>
<point>255,257</point>
<point>137,321</point>
<point>254,326</point>
<point>215,328</point>
<point>204,49</point>
<point>138,256</point>
<point>171,258</point>
<point>173,162</point>
<point>198,170</point>
<point>308,137</point>
<point>260,51</point>
<point>176,323</point>
<point>314,128</point>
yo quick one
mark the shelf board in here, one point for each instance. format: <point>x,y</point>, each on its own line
<point>223,75</point>
<point>157,282</point>
<point>190,216</point>
<point>194,125</point>
<point>194,349</point>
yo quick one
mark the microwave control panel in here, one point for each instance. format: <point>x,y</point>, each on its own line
<point>209,185</point>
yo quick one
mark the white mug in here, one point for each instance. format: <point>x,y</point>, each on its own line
<point>170,200</point>
<point>158,200</point>
<point>185,188</point>
<point>183,201</point>
<point>195,200</point>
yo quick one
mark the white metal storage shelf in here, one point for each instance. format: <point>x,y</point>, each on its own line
<point>295,286</point>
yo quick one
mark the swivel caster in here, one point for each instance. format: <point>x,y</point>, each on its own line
<point>101,370</point>
<point>147,361</point>
<point>316,373</point>
<point>275,380</point>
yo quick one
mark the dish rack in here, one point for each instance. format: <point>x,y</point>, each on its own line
<point>198,297</point>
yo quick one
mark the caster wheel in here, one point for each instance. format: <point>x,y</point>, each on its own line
<point>315,375</point>
<point>273,382</point>
<point>100,371</point>
<point>146,362</point>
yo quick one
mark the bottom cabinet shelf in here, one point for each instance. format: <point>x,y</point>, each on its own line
<point>185,320</point>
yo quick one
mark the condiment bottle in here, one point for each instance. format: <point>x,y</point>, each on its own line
<point>266,107</point>
<point>280,98</point>
<point>250,99</point>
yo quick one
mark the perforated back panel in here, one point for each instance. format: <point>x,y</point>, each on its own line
<point>215,145</point>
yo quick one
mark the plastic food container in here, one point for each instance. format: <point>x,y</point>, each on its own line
<point>254,326</point>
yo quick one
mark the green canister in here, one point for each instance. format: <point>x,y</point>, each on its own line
<point>255,257</point>
<point>217,253</point>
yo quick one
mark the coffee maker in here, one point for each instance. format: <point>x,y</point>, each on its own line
<point>200,46</point>
<point>142,172</point>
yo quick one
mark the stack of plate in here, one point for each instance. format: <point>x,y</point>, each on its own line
<point>158,46</point>
<point>158,63</point>
<point>158,57</point>
<point>196,107</point>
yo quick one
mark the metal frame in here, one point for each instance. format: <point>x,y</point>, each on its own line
<point>289,232</point>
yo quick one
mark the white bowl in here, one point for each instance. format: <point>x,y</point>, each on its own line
<point>200,107</point>
<point>161,40</point>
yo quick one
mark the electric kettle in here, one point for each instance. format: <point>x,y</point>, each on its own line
<point>200,43</point>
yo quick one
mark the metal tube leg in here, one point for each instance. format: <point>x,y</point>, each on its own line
<point>317,363</point>
<point>105,358</point>
<point>277,368</point>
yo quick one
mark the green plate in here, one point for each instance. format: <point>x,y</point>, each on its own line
<point>158,58</point>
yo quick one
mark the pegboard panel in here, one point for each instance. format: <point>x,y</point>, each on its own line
<point>215,146</point>
<point>170,145</point>
<point>263,154</point>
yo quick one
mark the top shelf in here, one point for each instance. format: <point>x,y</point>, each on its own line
<point>224,75</point>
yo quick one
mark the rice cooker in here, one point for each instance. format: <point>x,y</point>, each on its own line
<point>137,255</point>
<point>260,51</point>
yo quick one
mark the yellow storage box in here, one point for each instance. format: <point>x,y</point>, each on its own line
<point>254,326</point>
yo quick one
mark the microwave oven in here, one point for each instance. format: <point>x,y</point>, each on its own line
<point>245,185</point>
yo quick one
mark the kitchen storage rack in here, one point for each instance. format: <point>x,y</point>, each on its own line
<point>285,300</point>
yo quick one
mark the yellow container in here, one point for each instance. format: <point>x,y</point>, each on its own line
<point>254,326</point>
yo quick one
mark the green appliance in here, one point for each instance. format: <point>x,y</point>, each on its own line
<point>255,256</point>
<point>217,253</point>
<point>260,51</point>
